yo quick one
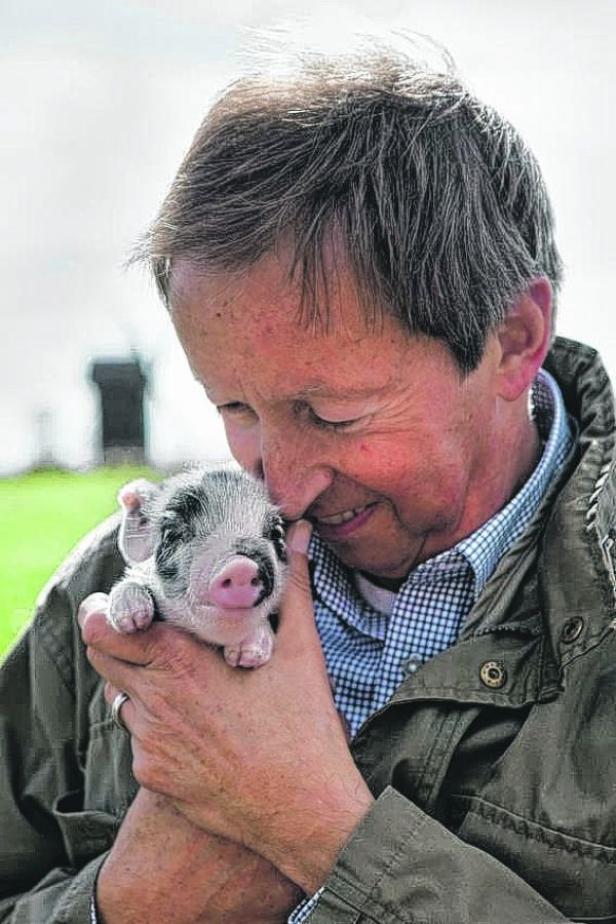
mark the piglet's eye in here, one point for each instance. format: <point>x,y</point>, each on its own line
<point>276,530</point>
<point>275,534</point>
<point>172,530</point>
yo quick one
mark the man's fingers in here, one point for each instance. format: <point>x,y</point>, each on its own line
<point>125,710</point>
<point>110,692</point>
<point>95,603</point>
<point>298,586</point>
<point>297,611</point>
<point>98,633</point>
<point>298,536</point>
<point>120,675</point>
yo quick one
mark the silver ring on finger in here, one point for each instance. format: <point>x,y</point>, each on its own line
<point>116,705</point>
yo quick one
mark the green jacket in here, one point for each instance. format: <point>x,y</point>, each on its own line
<point>494,765</point>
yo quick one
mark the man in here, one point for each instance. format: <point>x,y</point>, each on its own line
<point>359,262</point>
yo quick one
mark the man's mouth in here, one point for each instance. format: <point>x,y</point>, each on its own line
<point>345,522</point>
<point>337,518</point>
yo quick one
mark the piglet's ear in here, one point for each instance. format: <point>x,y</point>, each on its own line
<point>136,538</point>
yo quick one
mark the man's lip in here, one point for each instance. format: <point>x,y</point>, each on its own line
<point>337,519</point>
<point>343,528</point>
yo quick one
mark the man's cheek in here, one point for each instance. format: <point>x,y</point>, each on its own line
<point>371,461</point>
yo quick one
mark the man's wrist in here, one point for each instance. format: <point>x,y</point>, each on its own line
<point>308,852</point>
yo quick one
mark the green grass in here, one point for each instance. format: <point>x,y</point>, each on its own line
<point>42,516</point>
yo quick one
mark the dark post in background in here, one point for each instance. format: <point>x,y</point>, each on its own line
<point>121,385</point>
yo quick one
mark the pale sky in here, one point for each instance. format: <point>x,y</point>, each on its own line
<point>101,100</point>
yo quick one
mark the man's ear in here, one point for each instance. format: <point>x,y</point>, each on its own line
<point>524,337</point>
<point>136,538</point>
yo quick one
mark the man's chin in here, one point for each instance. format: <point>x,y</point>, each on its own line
<point>381,568</point>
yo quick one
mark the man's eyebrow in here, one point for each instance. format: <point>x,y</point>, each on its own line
<point>320,390</point>
<point>323,390</point>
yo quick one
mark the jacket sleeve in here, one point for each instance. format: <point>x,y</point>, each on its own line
<point>402,867</point>
<point>51,848</point>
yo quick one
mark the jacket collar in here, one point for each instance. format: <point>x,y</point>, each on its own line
<point>570,539</point>
<point>556,587</point>
<point>577,580</point>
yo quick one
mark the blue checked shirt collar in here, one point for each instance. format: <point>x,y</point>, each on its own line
<point>484,548</point>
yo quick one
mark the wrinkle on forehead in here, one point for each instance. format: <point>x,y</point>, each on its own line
<point>271,281</point>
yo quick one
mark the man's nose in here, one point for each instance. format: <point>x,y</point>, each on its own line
<point>294,475</point>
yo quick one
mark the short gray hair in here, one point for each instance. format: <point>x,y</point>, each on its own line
<point>439,206</point>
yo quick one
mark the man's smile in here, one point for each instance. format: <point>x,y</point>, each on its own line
<point>340,525</point>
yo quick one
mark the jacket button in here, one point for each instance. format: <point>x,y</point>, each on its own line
<point>493,674</point>
<point>572,629</point>
<point>412,665</point>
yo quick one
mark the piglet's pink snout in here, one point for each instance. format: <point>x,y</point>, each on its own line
<point>237,585</point>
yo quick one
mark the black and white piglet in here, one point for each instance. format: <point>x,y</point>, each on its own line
<point>206,552</point>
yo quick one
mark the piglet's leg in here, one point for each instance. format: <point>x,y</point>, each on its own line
<point>131,606</point>
<point>253,651</point>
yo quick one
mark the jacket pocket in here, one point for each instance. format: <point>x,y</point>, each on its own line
<point>576,875</point>
<point>85,833</point>
<point>109,784</point>
<point>611,919</point>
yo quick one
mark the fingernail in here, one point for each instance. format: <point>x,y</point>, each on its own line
<point>299,535</point>
<point>97,602</point>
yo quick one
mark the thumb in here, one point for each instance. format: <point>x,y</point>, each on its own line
<point>298,539</point>
<point>297,609</point>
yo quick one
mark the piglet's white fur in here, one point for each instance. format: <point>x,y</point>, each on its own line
<point>206,553</point>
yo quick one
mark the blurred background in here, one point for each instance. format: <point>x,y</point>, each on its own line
<point>99,105</point>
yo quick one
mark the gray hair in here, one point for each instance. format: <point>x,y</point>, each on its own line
<point>434,200</point>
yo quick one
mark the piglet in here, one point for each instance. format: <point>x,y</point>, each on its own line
<point>206,552</point>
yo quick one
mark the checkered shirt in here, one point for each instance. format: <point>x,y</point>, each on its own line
<point>369,652</point>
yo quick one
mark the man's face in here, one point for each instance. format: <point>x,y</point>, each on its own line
<point>372,435</point>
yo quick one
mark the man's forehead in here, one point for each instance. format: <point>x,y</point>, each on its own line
<point>272,286</point>
<point>192,288</point>
<point>246,329</point>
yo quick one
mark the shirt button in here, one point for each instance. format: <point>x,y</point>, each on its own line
<point>412,664</point>
<point>572,629</point>
<point>493,674</point>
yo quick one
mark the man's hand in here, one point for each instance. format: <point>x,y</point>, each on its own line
<point>163,868</point>
<point>259,757</point>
